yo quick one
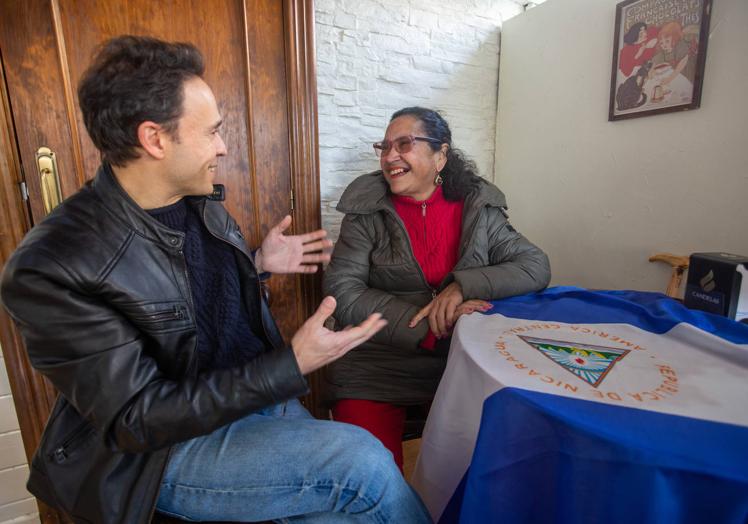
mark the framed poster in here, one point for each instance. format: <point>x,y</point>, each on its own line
<point>659,55</point>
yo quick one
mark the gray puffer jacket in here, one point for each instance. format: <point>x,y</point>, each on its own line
<point>373,269</point>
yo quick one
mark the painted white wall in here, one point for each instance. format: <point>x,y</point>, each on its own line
<point>377,56</point>
<point>600,197</point>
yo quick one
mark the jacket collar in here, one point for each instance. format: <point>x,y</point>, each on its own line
<point>120,204</point>
<point>369,193</point>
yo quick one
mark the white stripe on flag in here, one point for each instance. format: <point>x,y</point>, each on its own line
<point>685,371</point>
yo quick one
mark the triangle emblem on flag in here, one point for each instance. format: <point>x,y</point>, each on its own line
<point>586,361</point>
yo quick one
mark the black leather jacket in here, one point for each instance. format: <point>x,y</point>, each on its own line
<point>101,295</point>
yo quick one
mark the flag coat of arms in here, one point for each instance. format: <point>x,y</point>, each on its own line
<point>578,406</point>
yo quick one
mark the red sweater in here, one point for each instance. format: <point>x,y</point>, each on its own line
<point>434,228</point>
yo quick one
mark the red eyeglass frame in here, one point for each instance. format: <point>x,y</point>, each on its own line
<point>402,144</point>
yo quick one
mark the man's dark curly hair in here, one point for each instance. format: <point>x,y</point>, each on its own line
<point>131,80</point>
<point>460,174</point>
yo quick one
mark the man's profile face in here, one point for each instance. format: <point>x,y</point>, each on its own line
<point>194,156</point>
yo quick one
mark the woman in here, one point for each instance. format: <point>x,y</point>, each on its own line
<point>640,43</point>
<point>423,241</point>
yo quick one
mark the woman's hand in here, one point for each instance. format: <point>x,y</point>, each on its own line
<point>471,306</point>
<point>464,308</point>
<point>441,311</point>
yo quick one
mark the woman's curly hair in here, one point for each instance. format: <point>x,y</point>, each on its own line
<point>460,174</point>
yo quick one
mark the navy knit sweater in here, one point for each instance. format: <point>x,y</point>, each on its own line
<point>227,336</point>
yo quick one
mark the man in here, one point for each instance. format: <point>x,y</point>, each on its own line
<point>139,300</point>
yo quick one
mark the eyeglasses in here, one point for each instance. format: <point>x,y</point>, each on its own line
<point>402,144</point>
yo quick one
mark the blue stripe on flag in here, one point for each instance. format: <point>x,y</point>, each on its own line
<point>652,312</point>
<point>547,458</point>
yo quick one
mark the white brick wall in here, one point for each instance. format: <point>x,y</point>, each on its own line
<point>377,56</point>
<point>16,504</point>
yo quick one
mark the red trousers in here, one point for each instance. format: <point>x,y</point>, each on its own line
<point>384,421</point>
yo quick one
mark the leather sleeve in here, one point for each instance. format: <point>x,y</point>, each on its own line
<point>100,364</point>
<point>347,279</point>
<point>516,266</point>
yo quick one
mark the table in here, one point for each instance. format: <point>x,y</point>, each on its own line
<point>579,406</point>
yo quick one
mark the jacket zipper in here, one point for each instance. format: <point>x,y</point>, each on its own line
<point>423,214</point>
<point>259,287</point>
<point>193,357</point>
<point>174,314</point>
<point>190,366</point>
<point>160,478</point>
<point>60,453</point>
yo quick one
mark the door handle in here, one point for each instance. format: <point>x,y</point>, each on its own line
<point>49,179</point>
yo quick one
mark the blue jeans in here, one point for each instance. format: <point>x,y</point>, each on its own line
<point>282,464</point>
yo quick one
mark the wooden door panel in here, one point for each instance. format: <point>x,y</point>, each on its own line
<point>37,94</point>
<point>92,22</point>
<point>270,139</point>
<point>32,394</point>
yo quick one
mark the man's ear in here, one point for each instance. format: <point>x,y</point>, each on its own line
<point>152,138</point>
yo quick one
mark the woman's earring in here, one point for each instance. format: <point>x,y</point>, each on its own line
<point>438,180</point>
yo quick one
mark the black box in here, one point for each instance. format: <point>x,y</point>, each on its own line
<point>718,283</point>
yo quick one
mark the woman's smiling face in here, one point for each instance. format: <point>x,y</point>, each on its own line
<point>411,173</point>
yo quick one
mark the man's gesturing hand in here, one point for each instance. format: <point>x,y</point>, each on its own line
<point>294,253</point>
<point>314,345</point>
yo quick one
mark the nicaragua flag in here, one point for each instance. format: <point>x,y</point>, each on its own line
<point>614,406</point>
